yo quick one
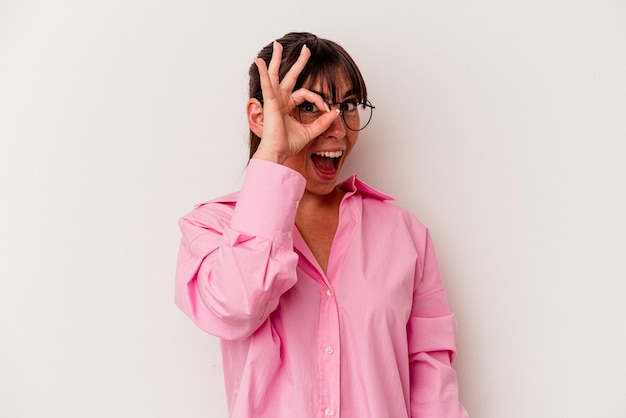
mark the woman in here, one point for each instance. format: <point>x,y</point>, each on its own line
<point>326,298</point>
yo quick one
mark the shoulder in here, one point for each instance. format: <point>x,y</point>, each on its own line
<point>228,200</point>
<point>380,204</point>
<point>212,212</point>
<point>381,212</point>
<point>388,213</point>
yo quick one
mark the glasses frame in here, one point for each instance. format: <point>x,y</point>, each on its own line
<point>365,104</point>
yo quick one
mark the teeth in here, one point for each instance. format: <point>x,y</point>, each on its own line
<point>330,154</point>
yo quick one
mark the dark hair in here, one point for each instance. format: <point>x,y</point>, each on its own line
<point>327,60</point>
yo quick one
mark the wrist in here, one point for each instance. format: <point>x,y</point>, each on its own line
<point>262,154</point>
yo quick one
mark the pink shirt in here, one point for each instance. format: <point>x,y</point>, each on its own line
<point>373,337</point>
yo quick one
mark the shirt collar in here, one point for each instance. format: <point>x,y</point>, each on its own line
<point>353,185</point>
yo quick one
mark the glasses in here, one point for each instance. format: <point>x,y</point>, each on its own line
<point>356,114</point>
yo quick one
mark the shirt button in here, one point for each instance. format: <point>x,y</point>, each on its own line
<point>329,412</point>
<point>329,351</point>
<point>297,204</point>
<point>329,292</point>
<point>289,234</point>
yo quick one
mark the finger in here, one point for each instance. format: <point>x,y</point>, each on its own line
<point>274,67</point>
<point>264,78</point>
<point>322,123</point>
<point>303,95</point>
<point>289,80</point>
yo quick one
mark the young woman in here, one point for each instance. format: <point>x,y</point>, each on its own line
<point>327,299</point>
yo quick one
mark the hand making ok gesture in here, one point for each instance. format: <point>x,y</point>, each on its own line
<point>282,134</point>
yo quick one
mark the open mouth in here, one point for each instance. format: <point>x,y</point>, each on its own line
<point>327,162</point>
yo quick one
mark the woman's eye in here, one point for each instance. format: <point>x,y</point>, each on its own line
<point>308,107</point>
<point>349,105</point>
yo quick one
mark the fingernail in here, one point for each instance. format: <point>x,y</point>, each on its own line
<point>327,107</point>
<point>303,48</point>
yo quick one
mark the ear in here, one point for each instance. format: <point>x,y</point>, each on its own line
<point>254,110</point>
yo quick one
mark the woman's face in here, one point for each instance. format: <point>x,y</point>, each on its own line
<point>320,161</point>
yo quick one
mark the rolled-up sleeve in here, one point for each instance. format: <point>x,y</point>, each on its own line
<point>432,344</point>
<point>236,261</point>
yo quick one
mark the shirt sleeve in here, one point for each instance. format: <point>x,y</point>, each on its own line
<point>234,264</point>
<point>432,344</point>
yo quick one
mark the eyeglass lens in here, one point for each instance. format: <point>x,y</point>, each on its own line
<point>356,116</point>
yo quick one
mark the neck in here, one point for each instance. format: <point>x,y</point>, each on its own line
<point>317,219</point>
<point>315,207</point>
<point>327,201</point>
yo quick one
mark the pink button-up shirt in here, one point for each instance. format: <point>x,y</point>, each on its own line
<point>371,337</point>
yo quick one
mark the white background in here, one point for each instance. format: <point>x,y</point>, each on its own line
<point>502,125</point>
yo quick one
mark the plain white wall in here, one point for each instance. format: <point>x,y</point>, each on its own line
<point>502,125</point>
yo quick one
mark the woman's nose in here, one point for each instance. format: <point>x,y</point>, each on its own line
<point>337,129</point>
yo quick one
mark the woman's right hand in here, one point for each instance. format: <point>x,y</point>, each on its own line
<point>283,134</point>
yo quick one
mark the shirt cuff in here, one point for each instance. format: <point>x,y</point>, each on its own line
<point>268,202</point>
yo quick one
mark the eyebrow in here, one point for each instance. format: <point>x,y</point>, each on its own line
<point>351,92</point>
